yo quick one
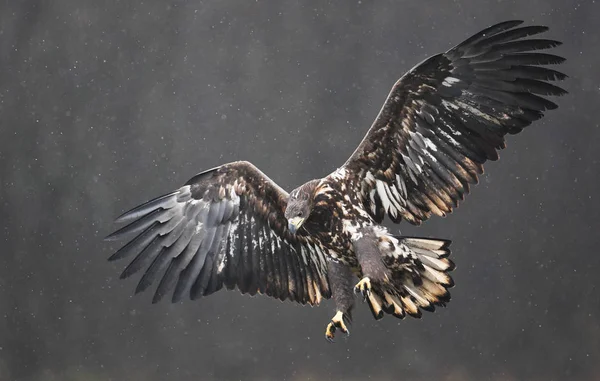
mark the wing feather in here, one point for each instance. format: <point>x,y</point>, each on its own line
<point>224,227</point>
<point>447,116</point>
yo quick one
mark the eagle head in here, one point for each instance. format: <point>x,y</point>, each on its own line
<point>299,205</point>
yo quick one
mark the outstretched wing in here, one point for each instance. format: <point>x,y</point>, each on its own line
<point>447,116</point>
<point>224,227</point>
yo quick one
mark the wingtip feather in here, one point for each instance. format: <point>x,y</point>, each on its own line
<point>145,208</point>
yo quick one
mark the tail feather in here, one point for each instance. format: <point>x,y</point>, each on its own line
<point>394,306</point>
<point>376,305</point>
<point>419,278</point>
<point>410,307</point>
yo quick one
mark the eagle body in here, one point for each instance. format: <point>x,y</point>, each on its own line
<point>233,227</point>
<point>336,217</point>
<point>351,237</point>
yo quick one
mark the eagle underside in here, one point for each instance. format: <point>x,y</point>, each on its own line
<point>400,275</point>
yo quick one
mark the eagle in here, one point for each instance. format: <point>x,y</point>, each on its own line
<point>234,227</point>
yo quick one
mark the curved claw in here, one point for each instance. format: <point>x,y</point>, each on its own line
<point>363,287</point>
<point>330,332</point>
<point>337,322</point>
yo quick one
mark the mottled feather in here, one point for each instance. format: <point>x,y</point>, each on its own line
<point>447,116</point>
<point>225,226</point>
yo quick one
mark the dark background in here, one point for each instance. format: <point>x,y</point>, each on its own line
<point>105,104</point>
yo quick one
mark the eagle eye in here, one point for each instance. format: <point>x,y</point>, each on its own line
<point>299,214</point>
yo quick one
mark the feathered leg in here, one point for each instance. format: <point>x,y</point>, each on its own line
<point>373,268</point>
<point>340,280</point>
<point>402,275</point>
<point>369,257</point>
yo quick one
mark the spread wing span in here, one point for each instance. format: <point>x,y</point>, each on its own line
<point>447,116</point>
<point>224,227</point>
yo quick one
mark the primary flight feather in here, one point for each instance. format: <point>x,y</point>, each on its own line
<point>232,226</point>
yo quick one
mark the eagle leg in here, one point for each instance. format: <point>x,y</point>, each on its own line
<point>340,281</point>
<point>375,273</point>
<point>369,257</point>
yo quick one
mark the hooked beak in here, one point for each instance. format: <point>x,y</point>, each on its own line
<point>294,224</point>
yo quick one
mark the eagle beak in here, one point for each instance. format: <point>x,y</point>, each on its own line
<point>294,224</point>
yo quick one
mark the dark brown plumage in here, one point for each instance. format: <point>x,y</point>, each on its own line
<point>230,216</point>
<point>232,226</point>
<point>448,116</point>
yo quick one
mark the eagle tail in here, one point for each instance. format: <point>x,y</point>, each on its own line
<point>418,278</point>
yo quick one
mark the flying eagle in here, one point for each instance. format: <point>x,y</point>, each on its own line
<point>232,226</point>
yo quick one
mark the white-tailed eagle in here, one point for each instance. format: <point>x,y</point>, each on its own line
<point>232,226</point>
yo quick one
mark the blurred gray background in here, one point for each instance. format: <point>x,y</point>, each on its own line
<point>105,104</point>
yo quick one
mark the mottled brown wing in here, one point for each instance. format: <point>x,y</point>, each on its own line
<point>447,116</point>
<point>224,227</point>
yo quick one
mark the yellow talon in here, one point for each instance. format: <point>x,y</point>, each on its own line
<point>330,332</point>
<point>336,322</point>
<point>364,287</point>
